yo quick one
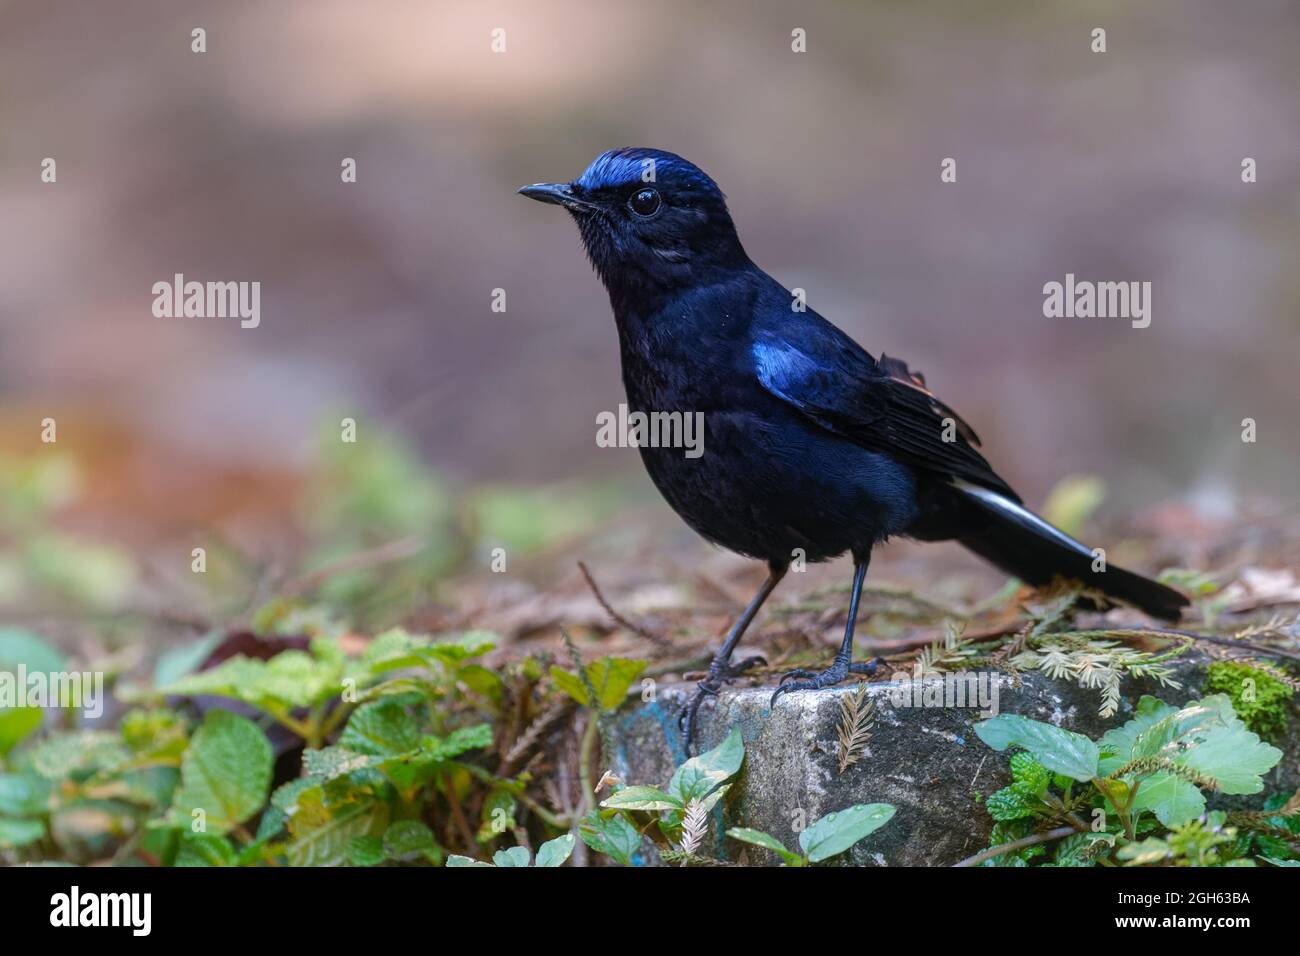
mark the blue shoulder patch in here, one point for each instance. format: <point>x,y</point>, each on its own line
<point>781,367</point>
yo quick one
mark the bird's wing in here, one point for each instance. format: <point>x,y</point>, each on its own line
<point>884,405</point>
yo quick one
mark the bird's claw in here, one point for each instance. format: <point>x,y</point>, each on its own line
<point>709,687</point>
<point>800,679</point>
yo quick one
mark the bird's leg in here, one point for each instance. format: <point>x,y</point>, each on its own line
<point>843,665</point>
<point>721,670</point>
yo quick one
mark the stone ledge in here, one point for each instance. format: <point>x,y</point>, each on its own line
<point>926,761</point>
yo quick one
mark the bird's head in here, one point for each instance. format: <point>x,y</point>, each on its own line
<point>648,218</point>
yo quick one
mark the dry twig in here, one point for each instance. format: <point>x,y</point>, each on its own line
<point>658,640</point>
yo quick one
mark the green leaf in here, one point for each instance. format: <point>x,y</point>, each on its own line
<point>462,648</point>
<point>259,851</point>
<point>414,767</point>
<point>555,852</point>
<point>204,849</point>
<point>77,755</point>
<point>699,776</point>
<point>836,832</point>
<point>409,771</point>
<point>1276,801</point>
<point>572,685</point>
<point>1076,850</point>
<point>1061,751</point>
<point>290,680</point>
<point>23,794</point>
<point>641,798</point>
<point>514,856</point>
<point>329,763</point>
<point>497,815</point>
<point>457,860</point>
<point>1118,742</point>
<point>1031,776</point>
<point>283,800</point>
<point>396,649</point>
<point>758,838</point>
<point>18,646</point>
<point>17,833</point>
<point>226,772</point>
<point>1234,756</point>
<point>154,734</point>
<point>382,728</point>
<point>481,681</point>
<point>1146,852</point>
<point>459,741</point>
<point>1156,728</point>
<point>366,851</point>
<point>394,645</point>
<point>768,842</point>
<point>407,768</point>
<point>408,840</point>
<point>1172,799</point>
<point>611,677</point>
<point>1011,803</point>
<point>322,832</point>
<point>16,723</point>
<point>615,836</point>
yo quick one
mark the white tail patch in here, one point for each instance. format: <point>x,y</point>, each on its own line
<point>1020,515</point>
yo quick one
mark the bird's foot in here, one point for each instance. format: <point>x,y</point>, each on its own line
<point>718,675</point>
<point>800,679</point>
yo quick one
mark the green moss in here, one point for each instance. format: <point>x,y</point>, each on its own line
<point>1260,699</point>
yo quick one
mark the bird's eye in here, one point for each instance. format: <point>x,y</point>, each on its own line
<point>645,202</point>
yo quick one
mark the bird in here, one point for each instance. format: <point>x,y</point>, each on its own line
<point>812,447</point>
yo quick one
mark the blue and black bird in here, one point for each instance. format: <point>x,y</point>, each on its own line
<point>812,447</point>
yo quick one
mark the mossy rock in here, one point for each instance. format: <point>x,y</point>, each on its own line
<point>1259,698</point>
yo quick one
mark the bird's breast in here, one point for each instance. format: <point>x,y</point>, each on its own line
<point>764,484</point>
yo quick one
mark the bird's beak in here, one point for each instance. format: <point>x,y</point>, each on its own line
<point>557,194</point>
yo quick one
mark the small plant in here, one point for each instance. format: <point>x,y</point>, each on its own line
<point>630,813</point>
<point>311,693</point>
<point>1204,841</point>
<point>396,744</point>
<point>551,853</point>
<point>675,817</point>
<point>602,684</point>
<point>829,836</point>
<point>1146,778</point>
<point>950,653</point>
<point>1274,832</point>
<point>1096,664</point>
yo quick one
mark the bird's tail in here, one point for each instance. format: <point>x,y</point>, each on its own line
<point>1023,544</point>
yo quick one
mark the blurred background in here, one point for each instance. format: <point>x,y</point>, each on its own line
<point>475,428</point>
